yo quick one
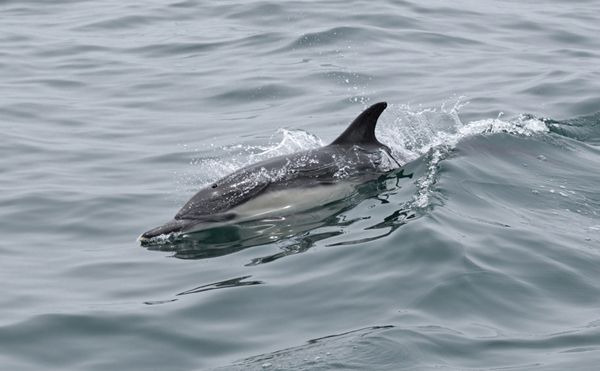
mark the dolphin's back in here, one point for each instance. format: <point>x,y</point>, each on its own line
<point>301,169</point>
<point>223,195</point>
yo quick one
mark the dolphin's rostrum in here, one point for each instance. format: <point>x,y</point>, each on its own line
<point>289,183</point>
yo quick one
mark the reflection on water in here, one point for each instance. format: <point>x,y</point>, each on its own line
<point>234,282</point>
<point>230,283</point>
<point>299,232</point>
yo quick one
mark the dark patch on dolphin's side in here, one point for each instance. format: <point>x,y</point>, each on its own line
<point>354,157</point>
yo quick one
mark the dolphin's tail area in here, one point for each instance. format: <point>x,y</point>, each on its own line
<point>173,226</point>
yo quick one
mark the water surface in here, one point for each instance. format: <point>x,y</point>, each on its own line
<point>481,253</point>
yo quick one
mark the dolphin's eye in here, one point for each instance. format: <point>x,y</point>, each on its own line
<point>214,185</point>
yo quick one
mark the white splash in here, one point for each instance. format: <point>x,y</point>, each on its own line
<point>291,141</point>
<point>436,132</point>
<point>284,141</point>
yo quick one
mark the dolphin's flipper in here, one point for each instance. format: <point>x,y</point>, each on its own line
<point>362,129</point>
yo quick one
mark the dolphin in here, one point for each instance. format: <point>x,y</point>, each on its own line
<point>288,184</point>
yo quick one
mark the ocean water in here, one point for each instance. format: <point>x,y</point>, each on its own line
<point>481,253</point>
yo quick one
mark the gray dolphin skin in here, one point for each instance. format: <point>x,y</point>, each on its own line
<point>288,184</point>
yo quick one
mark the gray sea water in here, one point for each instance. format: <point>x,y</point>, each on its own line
<point>481,253</point>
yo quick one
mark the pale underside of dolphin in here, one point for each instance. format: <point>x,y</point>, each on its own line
<point>288,184</point>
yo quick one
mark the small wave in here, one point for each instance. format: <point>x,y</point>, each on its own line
<point>584,128</point>
<point>442,39</point>
<point>268,92</point>
<point>177,48</point>
<point>327,37</point>
<point>322,353</point>
<point>434,133</point>
<point>344,78</point>
<point>416,132</point>
<point>121,23</point>
<point>259,11</point>
<point>430,347</point>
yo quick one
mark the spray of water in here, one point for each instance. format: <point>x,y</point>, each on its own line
<point>433,134</point>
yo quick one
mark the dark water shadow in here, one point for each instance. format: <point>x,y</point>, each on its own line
<point>230,283</point>
<point>234,282</point>
<point>297,233</point>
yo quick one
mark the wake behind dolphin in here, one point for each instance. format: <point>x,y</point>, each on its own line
<point>287,184</point>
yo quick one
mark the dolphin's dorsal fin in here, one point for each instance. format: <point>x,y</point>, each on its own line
<point>362,129</point>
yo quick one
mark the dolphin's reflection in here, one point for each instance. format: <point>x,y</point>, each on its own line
<point>299,232</point>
